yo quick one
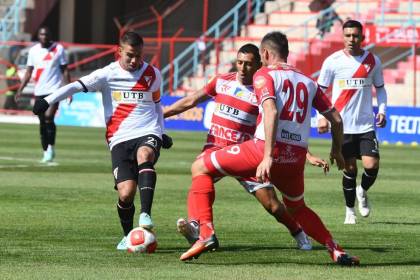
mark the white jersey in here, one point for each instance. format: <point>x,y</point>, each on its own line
<point>295,94</point>
<point>130,101</point>
<point>353,78</point>
<point>47,72</point>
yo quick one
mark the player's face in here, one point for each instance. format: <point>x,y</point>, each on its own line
<point>353,39</point>
<point>246,65</point>
<point>44,36</point>
<point>130,57</point>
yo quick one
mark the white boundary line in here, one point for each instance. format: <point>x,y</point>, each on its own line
<point>37,163</point>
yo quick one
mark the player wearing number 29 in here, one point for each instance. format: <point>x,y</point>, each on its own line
<point>134,125</point>
<point>277,154</point>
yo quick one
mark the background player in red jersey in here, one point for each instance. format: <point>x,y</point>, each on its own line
<point>353,71</point>
<point>278,152</point>
<point>134,125</point>
<point>235,114</point>
<point>48,60</point>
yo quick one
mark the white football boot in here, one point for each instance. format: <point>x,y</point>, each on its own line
<point>145,221</point>
<point>364,206</point>
<point>123,244</point>
<point>303,242</point>
<point>190,230</point>
<point>350,216</point>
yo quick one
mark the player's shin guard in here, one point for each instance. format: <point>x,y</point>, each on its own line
<point>146,184</point>
<point>349,188</point>
<point>369,177</point>
<point>202,194</point>
<point>310,222</point>
<point>50,130</point>
<point>126,214</point>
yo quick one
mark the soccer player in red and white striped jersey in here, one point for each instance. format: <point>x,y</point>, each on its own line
<point>134,125</point>
<point>48,63</point>
<point>233,121</point>
<point>353,72</point>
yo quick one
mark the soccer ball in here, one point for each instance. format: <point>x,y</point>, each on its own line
<point>141,240</point>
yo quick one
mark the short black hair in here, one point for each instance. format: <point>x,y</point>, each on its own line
<point>46,28</point>
<point>251,48</point>
<point>277,42</point>
<point>353,23</point>
<point>131,38</point>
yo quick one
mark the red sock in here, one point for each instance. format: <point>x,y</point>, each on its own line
<point>192,208</point>
<point>202,196</point>
<point>286,219</point>
<point>312,225</point>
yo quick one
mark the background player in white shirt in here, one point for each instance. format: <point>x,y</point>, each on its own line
<point>47,61</point>
<point>353,71</point>
<point>134,125</point>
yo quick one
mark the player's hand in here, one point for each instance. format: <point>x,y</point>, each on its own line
<point>337,157</point>
<point>40,106</point>
<point>18,96</point>
<point>323,126</point>
<point>166,141</point>
<point>263,170</point>
<point>69,100</point>
<point>316,161</point>
<point>380,120</point>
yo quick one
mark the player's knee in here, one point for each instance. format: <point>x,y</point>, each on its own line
<point>198,167</point>
<point>126,193</point>
<point>371,165</point>
<point>294,206</point>
<point>275,207</point>
<point>145,154</point>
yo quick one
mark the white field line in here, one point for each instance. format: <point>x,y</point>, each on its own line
<point>33,161</point>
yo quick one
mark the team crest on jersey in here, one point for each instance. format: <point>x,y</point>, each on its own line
<point>367,67</point>
<point>116,96</point>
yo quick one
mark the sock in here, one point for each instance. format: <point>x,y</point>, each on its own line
<point>43,135</point>
<point>283,216</point>
<point>146,183</point>
<point>369,177</point>
<point>203,194</point>
<point>312,224</point>
<point>192,208</point>
<point>50,131</point>
<point>349,188</point>
<point>126,214</point>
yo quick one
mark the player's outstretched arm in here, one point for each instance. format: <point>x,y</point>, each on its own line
<point>25,81</point>
<point>185,103</point>
<point>316,161</point>
<point>337,137</point>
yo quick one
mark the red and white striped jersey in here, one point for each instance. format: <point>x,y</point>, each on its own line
<point>235,114</point>
<point>295,94</point>
<point>353,78</point>
<point>46,62</point>
<point>130,101</point>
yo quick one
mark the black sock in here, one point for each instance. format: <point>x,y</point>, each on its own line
<point>146,184</point>
<point>126,214</point>
<point>349,188</point>
<point>369,177</point>
<point>50,130</point>
<point>43,134</point>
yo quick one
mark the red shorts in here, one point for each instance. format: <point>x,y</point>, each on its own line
<point>243,159</point>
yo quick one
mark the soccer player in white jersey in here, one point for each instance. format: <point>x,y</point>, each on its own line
<point>277,153</point>
<point>134,125</point>
<point>352,72</point>
<point>47,61</point>
<point>234,121</point>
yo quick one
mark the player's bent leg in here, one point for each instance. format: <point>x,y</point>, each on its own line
<point>371,169</point>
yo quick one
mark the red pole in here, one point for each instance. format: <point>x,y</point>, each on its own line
<point>217,46</point>
<point>205,15</point>
<point>159,33</point>
<point>414,75</point>
<point>248,12</point>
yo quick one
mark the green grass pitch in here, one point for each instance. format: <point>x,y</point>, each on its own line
<point>60,222</point>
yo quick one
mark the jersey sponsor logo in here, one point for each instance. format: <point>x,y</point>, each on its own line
<point>355,83</point>
<point>290,136</point>
<point>229,134</point>
<point>224,87</point>
<point>226,110</point>
<point>129,96</point>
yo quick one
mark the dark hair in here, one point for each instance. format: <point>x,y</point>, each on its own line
<point>353,23</point>
<point>277,42</point>
<point>46,29</point>
<point>131,38</point>
<point>251,48</point>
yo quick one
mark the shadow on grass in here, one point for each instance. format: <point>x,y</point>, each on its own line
<point>396,223</point>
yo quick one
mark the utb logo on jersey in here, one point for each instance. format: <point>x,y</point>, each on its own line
<point>354,83</point>
<point>128,96</point>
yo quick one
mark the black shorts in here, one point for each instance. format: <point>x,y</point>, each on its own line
<point>357,145</point>
<point>124,157</point>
